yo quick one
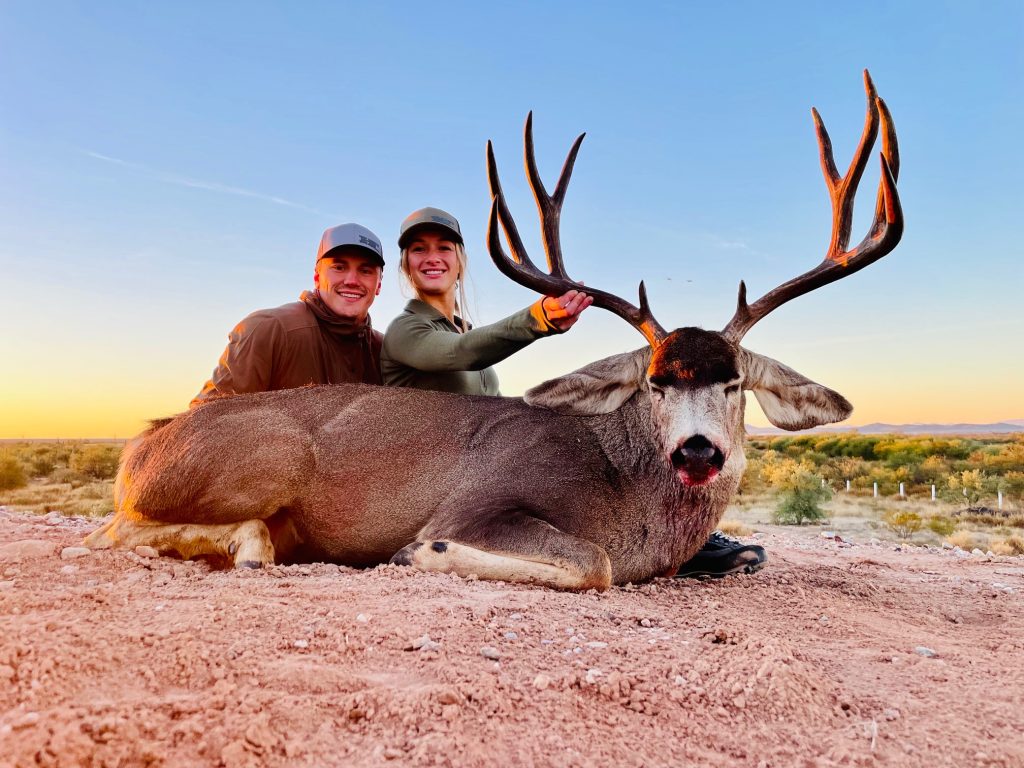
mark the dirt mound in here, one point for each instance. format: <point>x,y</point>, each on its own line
<point>835,654</point>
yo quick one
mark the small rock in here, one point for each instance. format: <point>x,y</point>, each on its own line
<point>593,675</point>
<point>516,616</point>
<point>645,623</point>
<point>70,553</point>
<point>26,721</point>
<point>925,651</point>
<point>891,714</point>
<point>6,672</point>
<point>541,682</point>
<point>977,552</point>
<point>52,518</point>
<point>946,545</point>
<point>392,753</point>
<point>4,585</point>
<point>511,636</point>
<point>301,644</point>
<point>423,643</point>
<point>143,551</point>
<point>362,618</point>
<point>990,553</point>
<point>448,696</point>
<point>740,701</point>
<point>25,549</point>
<point>490,652</point>
<point>596,644</point>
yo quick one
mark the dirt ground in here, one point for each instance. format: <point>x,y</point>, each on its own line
<point>835,654</point>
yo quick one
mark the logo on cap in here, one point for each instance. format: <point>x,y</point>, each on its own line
<point>372,243</point>
<point>443,220</point>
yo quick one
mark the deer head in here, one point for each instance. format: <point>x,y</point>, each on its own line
<point>695,378</point>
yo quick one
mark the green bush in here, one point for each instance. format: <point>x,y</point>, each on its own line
<point>941,525</point>
<point>99,461</point>
<point>12,474</point>
<point>802,503</point>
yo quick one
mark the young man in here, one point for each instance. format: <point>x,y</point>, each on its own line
<point>323,338</point>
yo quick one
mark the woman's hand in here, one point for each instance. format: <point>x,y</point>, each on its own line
<point>564,311</point>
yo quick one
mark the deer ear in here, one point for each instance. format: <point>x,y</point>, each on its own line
<point>789,400</point>
<point>598,388</point>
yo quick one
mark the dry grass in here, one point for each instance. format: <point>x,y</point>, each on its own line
<point>964,539</point>
<point>734,528</point>
<point>91,499</point>
<point>1011,545</point>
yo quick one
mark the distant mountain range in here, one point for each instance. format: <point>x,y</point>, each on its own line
<point>1009,425</point>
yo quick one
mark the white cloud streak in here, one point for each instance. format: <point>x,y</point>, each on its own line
<point>167,177</point>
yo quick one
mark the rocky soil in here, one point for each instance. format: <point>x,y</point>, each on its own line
<point>835,654</point>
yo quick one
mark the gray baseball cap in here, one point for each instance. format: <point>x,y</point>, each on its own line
<point>429,217</point>
<point>354,236</point>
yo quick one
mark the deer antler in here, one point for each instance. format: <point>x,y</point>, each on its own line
<point>520,268</point>
<point>885,232</point>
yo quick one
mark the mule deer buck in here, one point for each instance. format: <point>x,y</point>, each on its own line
<point>614,473</point>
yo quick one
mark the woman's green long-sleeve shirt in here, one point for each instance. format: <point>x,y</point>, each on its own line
<point>424,350</point>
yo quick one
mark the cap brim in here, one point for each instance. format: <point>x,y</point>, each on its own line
<point>362,249</point>
<point>408,235</point>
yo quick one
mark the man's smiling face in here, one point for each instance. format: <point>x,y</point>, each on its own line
<point>348,282</point>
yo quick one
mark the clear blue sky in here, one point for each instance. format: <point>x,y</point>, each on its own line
<point>167,168</point>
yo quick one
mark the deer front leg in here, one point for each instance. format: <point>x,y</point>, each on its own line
<point>247,544</point>
<point>517,548</point>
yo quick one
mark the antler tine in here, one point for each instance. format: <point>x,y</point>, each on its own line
<point>550,206</point>
<point>521,269</point>
<point>891,153</point>
<point>885,232</point>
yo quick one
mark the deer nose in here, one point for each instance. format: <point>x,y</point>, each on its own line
<point>698,456</point>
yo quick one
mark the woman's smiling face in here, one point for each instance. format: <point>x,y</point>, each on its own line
<point>432,262</point>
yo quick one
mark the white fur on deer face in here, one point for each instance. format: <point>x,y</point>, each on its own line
<point>695,378</point>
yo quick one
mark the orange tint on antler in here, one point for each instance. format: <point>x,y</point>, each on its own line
<point>886,229</point>
<point>520,268</point>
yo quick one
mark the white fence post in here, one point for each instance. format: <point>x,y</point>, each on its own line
<point>847,486</point>
<point>1000,499</point>
<point>876,490</point>
<point>902,495</point>
<point>933,492</point>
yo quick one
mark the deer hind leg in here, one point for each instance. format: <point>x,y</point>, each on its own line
<point>516,548</point>
<point>247,544</point>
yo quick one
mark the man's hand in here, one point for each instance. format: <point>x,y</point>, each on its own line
<point>564,311</point>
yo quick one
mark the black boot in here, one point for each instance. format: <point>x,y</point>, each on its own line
<point>721,556</point>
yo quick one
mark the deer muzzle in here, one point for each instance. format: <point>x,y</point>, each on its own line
<point>697,460</point>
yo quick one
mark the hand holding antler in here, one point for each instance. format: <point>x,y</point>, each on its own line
<point>563,311</point>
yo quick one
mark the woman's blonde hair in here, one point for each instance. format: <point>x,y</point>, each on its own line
<point>461,304</point>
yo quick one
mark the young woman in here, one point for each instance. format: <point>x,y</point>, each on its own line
<point>431,345</point>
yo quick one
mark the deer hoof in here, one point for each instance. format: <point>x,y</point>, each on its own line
<point>405,555</point>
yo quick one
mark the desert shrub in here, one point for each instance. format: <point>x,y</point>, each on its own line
<point>963,539</point>
<point>801,500</point>
<point>12,474</point>
<point>1011,545</point>
<point>70,476</point>
<point>904,524</point>
<point>734,528</point>
<point>941,525</point>
<point>966,487</point>
<point>99,461</point>
<point>42,464</point>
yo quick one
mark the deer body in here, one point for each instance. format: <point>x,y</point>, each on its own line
<point>616,472</point>
<point>347,464</point>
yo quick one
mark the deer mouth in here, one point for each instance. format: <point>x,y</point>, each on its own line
<point>697,461</point>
